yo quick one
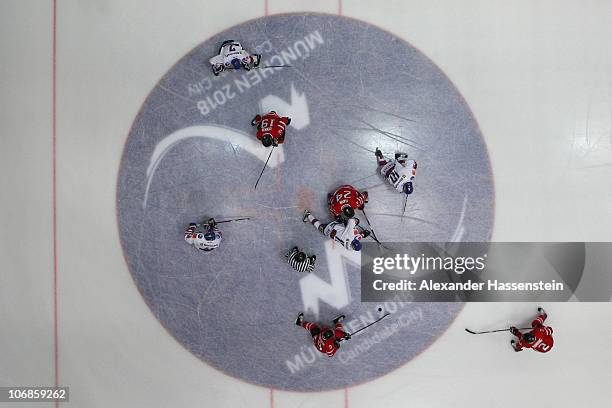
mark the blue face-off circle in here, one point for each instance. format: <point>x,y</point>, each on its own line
<point>188,157</point>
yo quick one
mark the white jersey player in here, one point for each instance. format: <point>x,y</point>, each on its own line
<point>348,235</point>
<point>232,56</point>
<point>400,173</point>
<point>205,236</point>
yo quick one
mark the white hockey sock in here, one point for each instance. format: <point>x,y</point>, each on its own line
<point>314,221</point>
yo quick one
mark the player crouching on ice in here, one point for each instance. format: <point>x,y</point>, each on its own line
<point>271,128</point>
<point>349,235</point>
<point>325,339</point>
<point>345,200</point>
<point>400,172</point>
<point>232,56</point>
<point>539,339</point>
<point>299,261</point>
<point>205,236</point>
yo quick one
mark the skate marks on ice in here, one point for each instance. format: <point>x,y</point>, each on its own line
<point>192,154</point>
<point>233,137</point>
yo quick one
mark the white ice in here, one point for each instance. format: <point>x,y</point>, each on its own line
<point>537,75</point>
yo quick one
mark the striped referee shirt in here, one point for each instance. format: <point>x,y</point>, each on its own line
<point>307,265</point>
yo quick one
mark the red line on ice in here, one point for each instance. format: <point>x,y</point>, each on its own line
<point>54,196</point>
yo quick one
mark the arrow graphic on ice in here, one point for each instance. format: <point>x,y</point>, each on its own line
<point>235,137</point>
<point>336,293</point>
<point>296,109</point>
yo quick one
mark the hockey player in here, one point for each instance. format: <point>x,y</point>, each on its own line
<point>539,339</point>
<point>345,200</point>
<point>271,128</point>
<point>205,236</point>
<point>349,235</point>
<point>326,339</point>
<point>232,56</point>
<point>400,173</point>
<point>299,261</point>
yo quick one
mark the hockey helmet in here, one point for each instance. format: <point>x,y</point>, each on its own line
<point>209,235</point>
<point>236,63</point>
<point>529,337</point>
<point>327,334</point>
<point>348,211</point>
<point>267,141</point>
<point>408,188</point>
<point>300,256</point>
<point>356,245</point>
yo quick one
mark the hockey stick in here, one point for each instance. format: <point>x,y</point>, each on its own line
<point>235,219</point>
<point>494,331</point>
<point>371,228</point>
<point>276,66</point>
<point>404,210</point>
<point>375,321</point>
<point>264,167</point>
<point>390,155</point>
<point>373,235</point>
<point>378,242</point>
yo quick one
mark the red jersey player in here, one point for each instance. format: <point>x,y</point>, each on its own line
<point>345,200</point>
<point>539,339</point>
<point>271,128</point>
<point>326,339</point>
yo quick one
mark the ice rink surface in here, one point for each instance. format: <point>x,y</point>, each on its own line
<point>527,86</point>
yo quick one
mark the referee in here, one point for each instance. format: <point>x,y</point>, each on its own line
<point>299,261</point>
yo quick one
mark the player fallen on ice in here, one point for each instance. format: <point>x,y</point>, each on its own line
<point>299,261</point>
<point>205,236</point>
<point>400,172</point>
<point>539,339</point>
<point>271,128</point>
<point>345,200</point>
<point>232,56</point>
<point>325,339</point>
<point>348,234</point>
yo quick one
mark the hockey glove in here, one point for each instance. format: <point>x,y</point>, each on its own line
<point>256,120</point>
